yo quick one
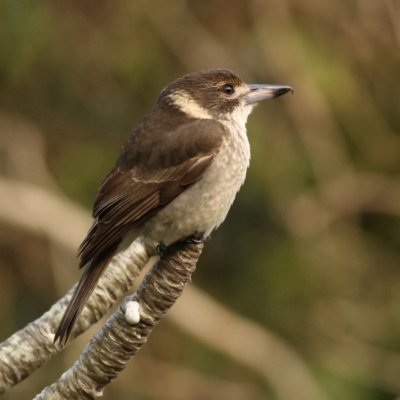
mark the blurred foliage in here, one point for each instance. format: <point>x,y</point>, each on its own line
<point>311,247</point>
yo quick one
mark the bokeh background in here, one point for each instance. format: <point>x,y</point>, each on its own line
<point>307,264</point>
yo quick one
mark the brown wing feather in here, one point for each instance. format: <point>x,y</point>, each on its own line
<point>83,291</point>
<point>130,194</point>
<point>148,175</point>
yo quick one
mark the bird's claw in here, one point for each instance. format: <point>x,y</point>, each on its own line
<point>161,249</point>
<point>196,238</point>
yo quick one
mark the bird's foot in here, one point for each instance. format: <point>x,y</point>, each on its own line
<point>161,249</point>
<point>196,238</point>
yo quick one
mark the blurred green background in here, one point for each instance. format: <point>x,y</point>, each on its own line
<point>311,248</point>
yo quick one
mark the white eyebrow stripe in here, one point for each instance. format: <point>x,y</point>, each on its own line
<point>191,107</point>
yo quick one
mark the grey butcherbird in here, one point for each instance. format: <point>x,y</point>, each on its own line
<point>177,174</point>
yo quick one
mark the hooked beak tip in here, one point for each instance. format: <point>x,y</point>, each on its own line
<point>283,91</point>
<point>264,92</point>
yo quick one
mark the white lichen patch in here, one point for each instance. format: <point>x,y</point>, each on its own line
<point>132,312</point>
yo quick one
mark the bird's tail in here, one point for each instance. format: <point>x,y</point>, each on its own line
<point>83,291</point>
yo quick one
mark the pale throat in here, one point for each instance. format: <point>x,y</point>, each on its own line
<point>240,115</point>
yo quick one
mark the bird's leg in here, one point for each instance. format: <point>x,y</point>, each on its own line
<point>196,238</point>
<point>161,249</point>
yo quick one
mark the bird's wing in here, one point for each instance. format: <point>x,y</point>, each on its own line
<point>148,175</point>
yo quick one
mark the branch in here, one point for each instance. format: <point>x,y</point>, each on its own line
<point>156,379</point>
<point>42,212</point>
<point>30,348</point>
<point>109,351</point>
<point>247,343</point>
<point>66,223</point>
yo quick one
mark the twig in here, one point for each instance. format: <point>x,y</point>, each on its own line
<point>156,379</point>
<point>109,351</point>
<point>248,344</point>
<point>30,348</point>
<point>43,212</point>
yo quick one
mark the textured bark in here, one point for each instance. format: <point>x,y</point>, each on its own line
<point>30,348</point>
<point>111,349</point>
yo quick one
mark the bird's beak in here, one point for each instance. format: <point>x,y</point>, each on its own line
<point>265,92</point>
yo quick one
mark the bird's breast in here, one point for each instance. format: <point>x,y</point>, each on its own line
<point>204,205</point>
<point>228,171</point>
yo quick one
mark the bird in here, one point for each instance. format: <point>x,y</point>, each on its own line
<point>176,175</point>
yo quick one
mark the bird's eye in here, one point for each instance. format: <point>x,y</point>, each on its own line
<point>227,89</point>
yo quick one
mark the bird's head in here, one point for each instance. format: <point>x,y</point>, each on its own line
<point>217,94</point>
